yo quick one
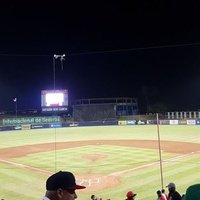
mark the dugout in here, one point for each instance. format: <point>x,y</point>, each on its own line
<point>104,109</point>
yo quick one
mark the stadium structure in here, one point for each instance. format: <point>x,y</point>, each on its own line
<point>104,109</point>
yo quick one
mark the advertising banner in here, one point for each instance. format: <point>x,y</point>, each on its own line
<point>164,122</point>
<point>97,123</point>
<point>191,122</point>
<point>182,122</point>
<point>37,126</point>
<point>173,122</point>
<point>17,127</point>
<point>198,122</point>
<point>108,123</point>
<point>26,126</point>
<point>31,120</point>
<point>121,123</point>
<point>55,125</point>
<point>151,122</point>
<point>140,122</point>
<point>131,122</point>
<point>73,124</point>
<point>6,128</point>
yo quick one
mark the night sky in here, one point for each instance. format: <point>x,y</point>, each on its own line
<point>149,50</point>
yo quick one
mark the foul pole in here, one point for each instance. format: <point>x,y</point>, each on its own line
<point>160,155</point>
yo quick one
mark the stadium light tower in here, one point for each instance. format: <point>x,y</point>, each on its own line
<point>61,58</point>
<point>15,101</point>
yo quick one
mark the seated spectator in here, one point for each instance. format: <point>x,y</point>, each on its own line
<point>163,192</point>
<point>173,194</point>
<point>93,197</point>
<point>130,195</point>
<point>61,186</point>
<point>160,195</point>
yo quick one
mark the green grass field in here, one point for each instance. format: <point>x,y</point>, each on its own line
<point>18,182</point>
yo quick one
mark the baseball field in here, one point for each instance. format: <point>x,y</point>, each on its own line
<point>108,160</point>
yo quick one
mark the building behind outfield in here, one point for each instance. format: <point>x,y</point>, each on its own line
<point>104,109</point>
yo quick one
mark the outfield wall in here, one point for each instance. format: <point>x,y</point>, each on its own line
<point>59,124</point>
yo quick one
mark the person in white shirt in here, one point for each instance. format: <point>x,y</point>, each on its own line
<point>61,186</point>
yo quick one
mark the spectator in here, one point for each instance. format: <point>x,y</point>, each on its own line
<point>61,186</point>
<point>173,194</point>
<point>193,192</point>
<point>160,195</point>
<point>93,197</point>
<point>98,198</point>
<point>163,192</point>
<point>130,195</point>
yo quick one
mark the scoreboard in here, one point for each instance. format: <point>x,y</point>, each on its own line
<point>54,100</point>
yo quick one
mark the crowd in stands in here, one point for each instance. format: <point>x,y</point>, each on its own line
<point>192,193</point>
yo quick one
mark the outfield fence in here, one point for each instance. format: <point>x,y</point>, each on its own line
<point>57,123</point>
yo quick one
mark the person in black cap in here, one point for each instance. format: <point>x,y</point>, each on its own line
<point>61,186</point>
<point>173,194</point>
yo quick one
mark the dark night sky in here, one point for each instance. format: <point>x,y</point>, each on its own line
<point>113,49</point>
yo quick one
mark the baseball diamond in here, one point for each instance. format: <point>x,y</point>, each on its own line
<point>96,153</point>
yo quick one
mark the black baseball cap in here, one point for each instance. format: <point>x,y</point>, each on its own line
<point>64,180</point>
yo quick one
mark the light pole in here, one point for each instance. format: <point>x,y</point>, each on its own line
<point>61,58</point>
<point>15,101</point>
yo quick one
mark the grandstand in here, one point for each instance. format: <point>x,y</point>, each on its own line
<point>104,108</point>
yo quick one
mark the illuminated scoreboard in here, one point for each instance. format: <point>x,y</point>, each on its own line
<point>54,100</point>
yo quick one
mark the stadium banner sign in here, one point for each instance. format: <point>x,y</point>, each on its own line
<point>73,124</point>
<point>6,128</point>
<point>164,122</point>
<point>198,122</point>
<point>182,122</point>
<point>122,123</point>
<point>57,125</point>
<point>173,122</point>
<point>140,122</point>
<point>128,122</point>
<point>18,127</point>
<point>26,126</point>
<point>151,122</point>
<point>31,120</point>
<point>191,122</point>
<point>131,122</point>
<point>38,126</point>
<point>96,123</point>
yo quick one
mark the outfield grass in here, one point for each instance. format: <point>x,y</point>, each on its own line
<point>38,136</point>
<point>18,183</point>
